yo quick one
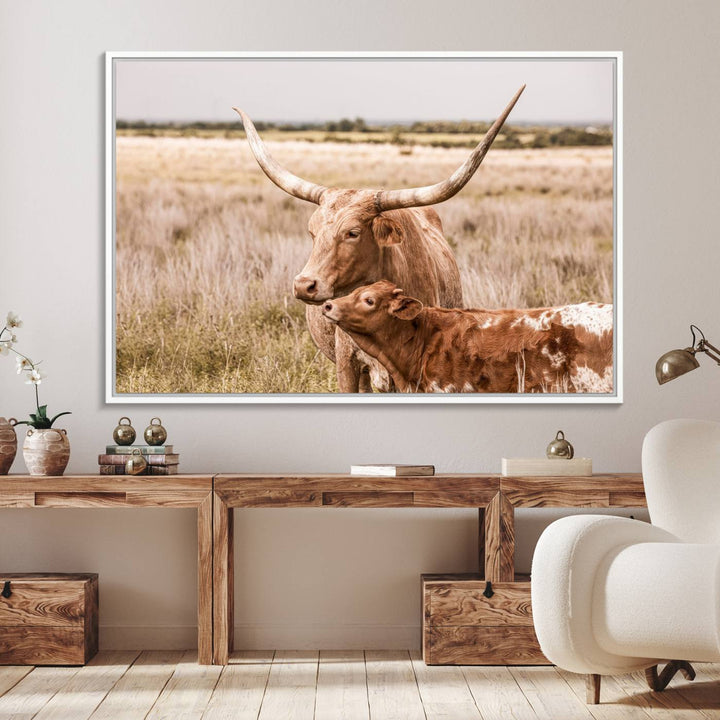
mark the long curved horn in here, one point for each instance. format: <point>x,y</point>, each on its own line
<point>431,194</point>
<point>283,178</point>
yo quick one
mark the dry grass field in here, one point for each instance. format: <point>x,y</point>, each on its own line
<point>207,248</point>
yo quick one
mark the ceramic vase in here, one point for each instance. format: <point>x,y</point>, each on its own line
<point>8,445</point>
<point>47,451</point>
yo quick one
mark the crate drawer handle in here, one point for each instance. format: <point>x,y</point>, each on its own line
<point>488,592</point>
<point>6,592</point>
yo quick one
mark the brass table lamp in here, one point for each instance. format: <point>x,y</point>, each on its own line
<point>677,362</point>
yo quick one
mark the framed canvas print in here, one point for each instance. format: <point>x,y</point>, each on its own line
<point>374,228</point>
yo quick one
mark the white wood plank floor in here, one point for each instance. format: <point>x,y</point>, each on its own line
<point>345,685</point>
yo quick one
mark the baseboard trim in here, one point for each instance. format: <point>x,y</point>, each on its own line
<point>261,636</point>
<point>326,637</point>
<point>148,637</point>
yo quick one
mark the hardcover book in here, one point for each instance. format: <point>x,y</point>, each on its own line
<point>162,469</point>
<point>112,470</point>
<point>150,470</point>
<point>144,449</point>
<point>392,470</point>
<point>172,459</point>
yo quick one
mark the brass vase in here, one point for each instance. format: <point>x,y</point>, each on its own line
<point>46,451</point>
<point>8,444</point>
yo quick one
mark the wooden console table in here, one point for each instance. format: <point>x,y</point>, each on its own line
<point>215,498</point>
<point>495,497</point>
<point>125,491</point>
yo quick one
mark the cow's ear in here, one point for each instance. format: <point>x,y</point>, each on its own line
<point>387,231</point>
<point>405,308</point>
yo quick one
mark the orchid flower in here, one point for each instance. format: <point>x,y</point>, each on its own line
<point>29,369</point>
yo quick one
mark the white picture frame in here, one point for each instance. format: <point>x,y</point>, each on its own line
<point>114,397</point>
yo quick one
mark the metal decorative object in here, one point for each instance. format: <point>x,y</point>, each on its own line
<point>560,448</point>
<point>124,433</point>
<point>136,463</point>
<point>678,362</point>
<point>155,433</point>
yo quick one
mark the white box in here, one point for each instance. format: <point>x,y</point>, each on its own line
<point>546,466</point>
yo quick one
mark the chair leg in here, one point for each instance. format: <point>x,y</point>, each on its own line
<point>660,682</point>
<point>592,689</point>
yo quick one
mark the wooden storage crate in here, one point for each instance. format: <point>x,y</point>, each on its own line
<point>461,626</point>
<point>48,618</point>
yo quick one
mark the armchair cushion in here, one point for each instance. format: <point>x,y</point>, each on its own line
<point>659,600</point>
<point>567,559</point>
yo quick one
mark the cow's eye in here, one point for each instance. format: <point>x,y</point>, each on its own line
<point>353,233</point>
<point>369,301</point>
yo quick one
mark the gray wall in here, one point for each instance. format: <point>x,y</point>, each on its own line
<point>316,577</point>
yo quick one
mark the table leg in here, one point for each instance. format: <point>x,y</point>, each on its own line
<point>223,581</point>
<point>205,580</point>
<point>500,540</point>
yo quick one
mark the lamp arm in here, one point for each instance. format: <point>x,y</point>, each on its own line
<point>710,350</point>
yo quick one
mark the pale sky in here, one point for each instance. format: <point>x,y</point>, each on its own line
<point>561,91</point>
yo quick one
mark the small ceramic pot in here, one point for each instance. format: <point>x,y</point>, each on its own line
<point>8,444</point>
<point>47,451</point>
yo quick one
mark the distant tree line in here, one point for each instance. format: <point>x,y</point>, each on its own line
<point>511,136</point>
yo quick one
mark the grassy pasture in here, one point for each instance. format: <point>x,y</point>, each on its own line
<point>207,248</point>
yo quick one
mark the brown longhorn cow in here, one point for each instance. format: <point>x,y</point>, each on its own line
<point>430,349</point>
<point>362,236</point>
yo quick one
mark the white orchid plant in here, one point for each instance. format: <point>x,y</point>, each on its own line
<point>29,369</point>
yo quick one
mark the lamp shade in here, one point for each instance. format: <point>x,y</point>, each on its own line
<point>675,363</point>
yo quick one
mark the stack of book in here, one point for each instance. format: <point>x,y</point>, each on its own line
<point>161,459</point>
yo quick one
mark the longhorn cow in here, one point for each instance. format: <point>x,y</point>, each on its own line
<point>362,236</point>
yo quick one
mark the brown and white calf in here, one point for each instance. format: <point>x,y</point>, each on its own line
<point>432,349</point>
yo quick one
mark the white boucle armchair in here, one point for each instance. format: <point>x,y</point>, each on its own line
<point>613,595</point>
